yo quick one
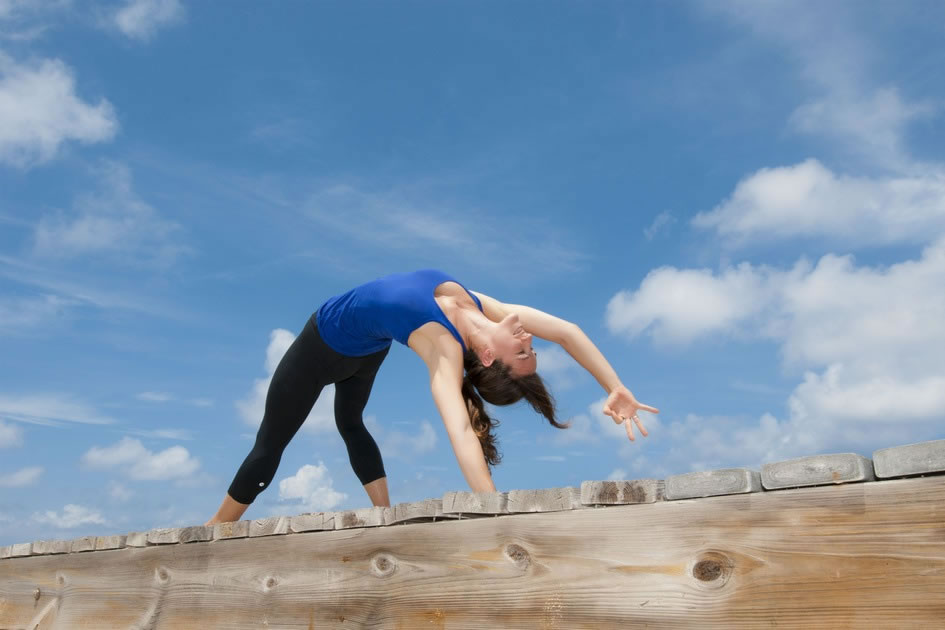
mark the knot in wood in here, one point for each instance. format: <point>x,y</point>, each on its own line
<point>518,555</point>
<point>37,594</point>
<point>61,579</point>
<point>707,570</point>
<point>383,565</point>
<point>713,568</point>
<point>163,575</point>
<point>271,582</point>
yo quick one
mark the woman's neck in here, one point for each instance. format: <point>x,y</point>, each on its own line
<point>469,321</point>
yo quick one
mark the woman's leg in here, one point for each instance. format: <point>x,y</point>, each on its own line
<point>292,393</point>
<point>351,396</point>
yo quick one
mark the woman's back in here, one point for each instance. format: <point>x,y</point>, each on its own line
<point>368,317</point>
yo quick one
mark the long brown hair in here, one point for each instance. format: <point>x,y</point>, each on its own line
<point>498,386</point>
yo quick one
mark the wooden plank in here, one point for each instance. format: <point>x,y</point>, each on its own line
<point>854,555</point>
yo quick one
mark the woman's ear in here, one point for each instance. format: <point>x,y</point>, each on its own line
<point>487,357</point>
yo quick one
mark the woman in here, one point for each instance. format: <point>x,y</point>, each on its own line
<point>453,330</point>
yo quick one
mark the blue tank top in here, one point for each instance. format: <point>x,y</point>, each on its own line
<point>365,319</point>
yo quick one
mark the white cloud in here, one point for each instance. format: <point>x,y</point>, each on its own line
<point>808,200</point>
<point>141,19</point>
<point>251,409</point>
<point>49,410</point>
<point>72,516</point>
<point>22,477</point>
<point>676,306</point>
<point>139,463</point>
<point>869,339</point>
<point>115,223</point>
<point>40,110</point>
<point>10,435</point>
<point>312,488</point>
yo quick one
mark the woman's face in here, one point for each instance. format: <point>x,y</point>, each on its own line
<point>513,346</point>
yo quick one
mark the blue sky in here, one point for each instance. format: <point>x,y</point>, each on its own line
<point>742,204</point>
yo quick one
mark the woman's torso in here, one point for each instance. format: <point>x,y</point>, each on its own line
<point>367,318</point>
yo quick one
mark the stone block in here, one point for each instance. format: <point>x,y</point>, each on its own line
<point>235,529</point>
<point>473,503</point>
<point>621,492</point>
<point>712,483</point>
<point>272,526</point>
<point>103,543</point>
<point>312,522</point>
<point>86,543</point>
<point>363,517</point>
<point>136,539</point>
<point>817,470</point>
<point>910,459</point>
<point>197,533</point>
<point>544,500</point>
<point>164,536</point>
<point>48,547</point>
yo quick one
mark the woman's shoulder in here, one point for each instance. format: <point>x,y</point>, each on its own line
<point>434,343</point>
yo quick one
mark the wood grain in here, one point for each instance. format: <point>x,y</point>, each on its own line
<point>868,555</point>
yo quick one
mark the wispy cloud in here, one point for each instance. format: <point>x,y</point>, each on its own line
<point>141,19</point>
<point>114,223</point>
<point>10,435</point>
<point>26,20</point>
<point>21,478</point>
<point>661,223</point>
<point>404,445</point>
<point>164,397</point>
<point>19,313</point>
<point>165,434</point>
<point>49,410</point>
<point>397,221</point>
<point>155,397</point>
<point>64,289</point>
<point>837,61</point>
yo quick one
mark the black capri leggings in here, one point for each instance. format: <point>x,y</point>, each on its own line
<point>308,366</point>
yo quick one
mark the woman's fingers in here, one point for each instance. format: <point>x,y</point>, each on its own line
<point>640,425</point>
<point>629,426</point>
<point>648,408</point>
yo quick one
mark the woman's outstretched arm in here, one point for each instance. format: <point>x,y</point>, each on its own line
<point>621,404</point>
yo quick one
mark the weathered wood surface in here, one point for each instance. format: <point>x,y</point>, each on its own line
<point>867,555</point>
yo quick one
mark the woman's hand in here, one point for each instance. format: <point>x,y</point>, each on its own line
<point>621,405</point>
